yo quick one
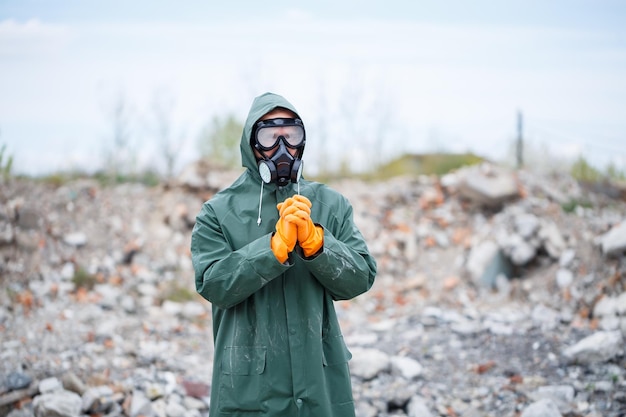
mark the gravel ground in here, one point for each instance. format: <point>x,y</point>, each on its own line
<point>484,351</point>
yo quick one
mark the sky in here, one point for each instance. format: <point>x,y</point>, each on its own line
<point>370,79</point>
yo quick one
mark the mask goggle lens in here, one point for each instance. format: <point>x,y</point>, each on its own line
<point>268,133</point>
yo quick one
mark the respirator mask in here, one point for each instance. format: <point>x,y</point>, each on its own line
<point>285,133</point>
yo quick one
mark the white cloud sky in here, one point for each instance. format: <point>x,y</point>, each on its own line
<point>427,84</point>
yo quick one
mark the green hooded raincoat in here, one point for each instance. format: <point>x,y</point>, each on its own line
<point>279,350</point>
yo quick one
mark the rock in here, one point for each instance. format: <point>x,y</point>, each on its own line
<point>60,403</point>
<point>28,219</point>
<point>367,363</point>
<point>598,347</point>
<point>72,382</point>
<point>109,295</point>
<point>486,262</point>
<point>407,367</point>
<point>140,405</point>
<point>606,306</point>
<point>527,225</point>
<point>397,393</point>
<point>366,409</point>
<point>49,385</point>
<point>621,304</point>
<point>192,402</point>
<point>76,239</point>
<point>193,309</point>
<point>418,408</point>
<point>561,395</point>
<point>18,380</point>
<point>564,278</point>
<point>519,250</point>
<point>24,412</point>
<point>154,391</point>
<point>566,258</point>
<point>173,409</point>
<point>542,408</point>
<point>613,242</point>
<point>481,257</point>
<point>552,239</point>
<point>487,185</point>
<point>27,241</point>
<point>172,308</point>
<point>6,233</point>
<point>466,327</point>
<point>97,400</point>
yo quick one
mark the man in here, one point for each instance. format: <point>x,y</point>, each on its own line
<point>272,252</point>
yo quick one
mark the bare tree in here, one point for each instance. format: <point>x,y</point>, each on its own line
<point>318,126</point>
<point>367,120</point>
<point>161,126</point>
<point>219,141</point>
<point>120,159</point>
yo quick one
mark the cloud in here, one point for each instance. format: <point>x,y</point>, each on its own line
<point>31,38</point>
<point>464,81</point>
<point>298,14</point>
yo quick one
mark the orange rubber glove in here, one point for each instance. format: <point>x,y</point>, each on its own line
<point>286,235</point>
<point>310,236</point>
<point>300,201</point>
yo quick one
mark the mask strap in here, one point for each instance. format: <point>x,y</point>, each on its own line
<point>258,221</point>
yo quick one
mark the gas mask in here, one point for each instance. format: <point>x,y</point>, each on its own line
<point>284,133</point>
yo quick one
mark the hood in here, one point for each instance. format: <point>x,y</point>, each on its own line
<point>260,106</point>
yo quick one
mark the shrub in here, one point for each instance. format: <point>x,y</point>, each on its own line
<point>5,166</point>
<point>582,171</point>
<point>83,279</point>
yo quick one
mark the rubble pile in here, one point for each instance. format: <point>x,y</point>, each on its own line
<point>498,293</point>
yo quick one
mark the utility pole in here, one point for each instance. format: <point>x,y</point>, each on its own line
<point>519,151</point>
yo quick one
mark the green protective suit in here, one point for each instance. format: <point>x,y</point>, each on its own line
<point>279,350</point>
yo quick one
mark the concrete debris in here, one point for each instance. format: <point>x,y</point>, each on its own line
<point>613,242</point>
<point>487,185</point>
<point>498,293</point>
<point>542,408</point>
<point>601,346</point>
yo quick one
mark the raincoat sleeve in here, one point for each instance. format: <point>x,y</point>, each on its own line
<point>224,276</point>
<point>344,267</point>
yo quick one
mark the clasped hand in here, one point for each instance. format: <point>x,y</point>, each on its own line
<point>295,226</point>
